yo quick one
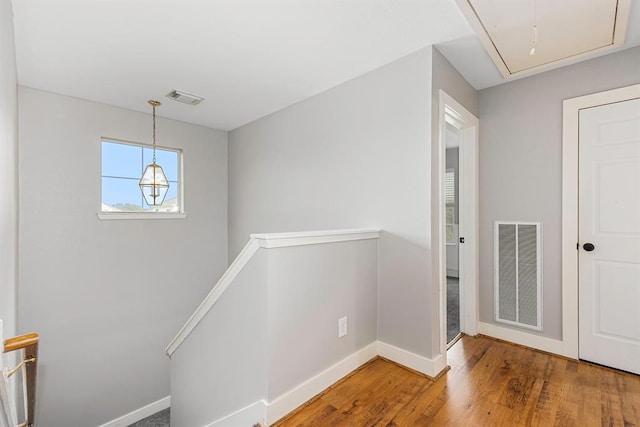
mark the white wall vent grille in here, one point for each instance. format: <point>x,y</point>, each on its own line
<point>518,273</point>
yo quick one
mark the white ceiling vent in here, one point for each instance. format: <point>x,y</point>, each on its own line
<point>184,97</point>
<point>526,36</point>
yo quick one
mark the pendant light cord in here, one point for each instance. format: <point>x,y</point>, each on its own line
<point>534,38</point>
<point>154,104</point>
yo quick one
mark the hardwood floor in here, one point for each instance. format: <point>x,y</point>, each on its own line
<point>490,383</point>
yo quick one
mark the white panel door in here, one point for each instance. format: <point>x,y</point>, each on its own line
<point>609,219</point>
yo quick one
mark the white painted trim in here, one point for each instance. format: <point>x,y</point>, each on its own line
<point>270,412</point>
<point>267,241</point>
<point>140,413</point>
<point>454,113</point>
<point>429,367</point>
<point>468,204</point>
<point>570,124</point>
<point>247,416</point>
<point>473,20</point>
<point>209,301</point>
<point>523,338</point>
<point>282,405</point>
<point>278,240</point>
<point>622,18</point>
<point>141,215</point>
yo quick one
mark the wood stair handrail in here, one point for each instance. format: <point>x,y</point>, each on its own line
<point>28,343</point>
<point>21,341</point>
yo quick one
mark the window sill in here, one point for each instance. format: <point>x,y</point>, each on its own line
<point>141,215</point>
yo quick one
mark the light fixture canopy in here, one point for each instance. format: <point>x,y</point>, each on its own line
<point>153,183</point>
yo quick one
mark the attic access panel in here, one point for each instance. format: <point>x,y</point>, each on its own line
<point>566,30</point>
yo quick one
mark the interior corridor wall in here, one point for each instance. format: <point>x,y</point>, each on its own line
<point>107,296</point>
<point>355,156</point>
<point>521,164</point>
<point>444,77</point>
<point>8,172</point>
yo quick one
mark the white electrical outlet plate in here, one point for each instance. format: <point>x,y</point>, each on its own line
<point>342,327</point>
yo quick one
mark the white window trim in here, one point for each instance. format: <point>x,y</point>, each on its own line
<point>108,216</point>
<point>141,215</point>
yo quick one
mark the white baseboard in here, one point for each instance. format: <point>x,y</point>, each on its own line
<point>429,367</point>
<point>140,413</point>
<point>523,338</point>
<point>247,416</point>
<point>282,405</point>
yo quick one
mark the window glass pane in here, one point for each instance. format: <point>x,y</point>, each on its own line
<point>450,187</point>
<point>450,215</point>
<point>121,160</point>
<point>122,167</point>
<point>120,194</point>
<point>165,158</point>
<point>450,234</point>
<point>170,203</point>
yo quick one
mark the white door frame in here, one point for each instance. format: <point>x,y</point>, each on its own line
<point>570,139</point>
<point>450,111</point>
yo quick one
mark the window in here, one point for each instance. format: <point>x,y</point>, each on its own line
<point>122,166</point>
<point>450,200</point>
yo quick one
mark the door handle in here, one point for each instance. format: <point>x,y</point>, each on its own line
<point>462,240</point>
<point>588,247</point>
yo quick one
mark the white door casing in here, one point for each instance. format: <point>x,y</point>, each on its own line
<point>568,346</point>
<point>450,111</point>
<point>609,218</point>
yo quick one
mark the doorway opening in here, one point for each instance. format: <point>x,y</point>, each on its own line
<point>458,221</point>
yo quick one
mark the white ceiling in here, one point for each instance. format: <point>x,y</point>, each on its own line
<point>510,27</point>
<point>524,36</point>
<point>569,31</point>
<point>246,58</point>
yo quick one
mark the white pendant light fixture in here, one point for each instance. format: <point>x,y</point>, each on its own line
<point>154,184</point>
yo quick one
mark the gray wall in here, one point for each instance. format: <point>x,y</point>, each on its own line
<point>521,163</point>
<point>107,296</point>
<point>275,327</point>
<point>222,366</point>
<point>8,172</point>
<point>357,155</point>
<point>445,77</point>
<point>310,288</point>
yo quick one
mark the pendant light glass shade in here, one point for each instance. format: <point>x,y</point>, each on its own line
<point>154,184</point>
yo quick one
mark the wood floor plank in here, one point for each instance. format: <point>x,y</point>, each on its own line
<point>611,403</point>
<point>546,405</point>
<point>630,393</point>
<point>367,406</point>
<point>490,383</point>
<point>359,382</point>
<point>589,378</point>
<point>424,406</point>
